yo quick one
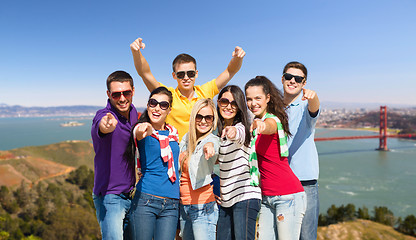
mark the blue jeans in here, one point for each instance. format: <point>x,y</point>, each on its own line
<point>199,221</point>
<point>238,221</point>
<point>153,217</point>
<point>283,214</point>
<point>310,220</point>
<point>112,215</point>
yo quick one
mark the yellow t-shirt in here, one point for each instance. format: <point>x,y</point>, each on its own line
<point>182,107</point>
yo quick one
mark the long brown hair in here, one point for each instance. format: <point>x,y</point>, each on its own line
<point>241,116</point>
<point>275,106</point>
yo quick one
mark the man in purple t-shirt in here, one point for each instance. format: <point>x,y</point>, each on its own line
<point>114,175</point>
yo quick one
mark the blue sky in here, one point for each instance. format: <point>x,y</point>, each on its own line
<point>55,53</point>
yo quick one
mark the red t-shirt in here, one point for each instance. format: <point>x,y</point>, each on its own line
<point>276,176</point>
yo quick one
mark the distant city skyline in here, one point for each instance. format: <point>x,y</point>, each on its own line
<point>60,53</point>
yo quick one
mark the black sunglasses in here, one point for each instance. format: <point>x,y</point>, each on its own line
<point>153,103</point>
<point>117,95</point>
<point>208,118</point>
<point>289,76</point>
<point>190,74</point>
<point>223,102</point>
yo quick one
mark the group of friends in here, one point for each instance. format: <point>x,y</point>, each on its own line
<point>154,171</point>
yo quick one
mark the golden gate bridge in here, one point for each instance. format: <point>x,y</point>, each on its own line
<point>382,133</point>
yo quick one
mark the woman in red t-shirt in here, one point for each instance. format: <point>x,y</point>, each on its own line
<point>283,197</point>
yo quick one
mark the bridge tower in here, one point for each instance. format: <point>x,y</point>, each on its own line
<point>383,129</point>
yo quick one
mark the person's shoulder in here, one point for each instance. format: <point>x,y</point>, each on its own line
<point>211,137</point>
<point>208,89</point>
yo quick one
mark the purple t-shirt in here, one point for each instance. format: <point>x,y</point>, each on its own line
<point>112,172</point>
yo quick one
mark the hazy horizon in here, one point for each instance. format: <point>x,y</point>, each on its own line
<point>324,104</point>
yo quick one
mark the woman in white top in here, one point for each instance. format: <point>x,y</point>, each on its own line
<point>240,199</point>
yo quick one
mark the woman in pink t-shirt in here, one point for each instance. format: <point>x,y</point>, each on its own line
<point>283,198</point>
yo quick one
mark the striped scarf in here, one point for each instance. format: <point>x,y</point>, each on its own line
<point>252,160</point>
<point>165,150</point>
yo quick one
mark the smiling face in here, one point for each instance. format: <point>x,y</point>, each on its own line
<point>228,112</point>
<point>291,87</point>
<point>257,100</point>
<point>204,126</point>
<point>187,83</point>
<point>123,103</point>
<point>156,114</point>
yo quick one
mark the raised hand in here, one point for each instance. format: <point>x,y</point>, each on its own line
<point>143,130</point>
<point>108,123</point>
<point>209,150</point>
<point>230,132</point>
<point>137,45</point>
<point>238,52</point>
<point>259,125</point>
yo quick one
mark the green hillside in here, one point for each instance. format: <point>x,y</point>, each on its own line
<point>69,153</point>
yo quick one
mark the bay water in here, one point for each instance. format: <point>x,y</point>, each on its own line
<point>351,171</point>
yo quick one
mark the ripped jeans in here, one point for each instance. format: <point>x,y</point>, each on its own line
<point>280,217</point>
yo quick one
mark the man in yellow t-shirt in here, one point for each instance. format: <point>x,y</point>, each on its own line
<point>184,72</point>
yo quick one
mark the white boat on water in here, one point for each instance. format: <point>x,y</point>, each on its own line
<point>71,124</point>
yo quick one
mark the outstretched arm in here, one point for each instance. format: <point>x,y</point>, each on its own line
<point>313,100</point>
<point>233,67</point>
<point>142,66</point>
<point>267,127</point>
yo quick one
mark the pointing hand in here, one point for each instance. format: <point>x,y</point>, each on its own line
<point>144,130</point>
<point>230,132</point>
<point>108,123</point>
<point>259,125</point>
<point>209,150</point>
<point>308,94</point>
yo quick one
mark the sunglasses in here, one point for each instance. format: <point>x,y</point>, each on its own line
<point>153,103</point>
<point>117,95</point>
<point>190,74</point>
<point>289,76</point>
<point>224,102</point>
<point>208,118</point>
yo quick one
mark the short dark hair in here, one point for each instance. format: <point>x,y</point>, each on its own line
<point>297,65</point>
<point>183,58</point>
<point>119,76</point>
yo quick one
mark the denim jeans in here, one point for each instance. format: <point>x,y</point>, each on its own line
<point>238,221</point>
<point>112,215</point>
<point>153,217</point>
<point>310,220</point>
<point>281,217</point>
<point>199,221</point>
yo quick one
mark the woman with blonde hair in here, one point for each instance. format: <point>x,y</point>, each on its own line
<point>199,151</point>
